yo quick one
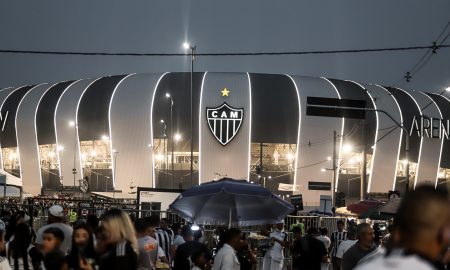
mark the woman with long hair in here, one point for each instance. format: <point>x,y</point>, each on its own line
<point>121,242</point>
<point>82,246</point>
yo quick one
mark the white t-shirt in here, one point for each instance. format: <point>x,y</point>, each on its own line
<point>276,251</point>
<point>397,262</point>
<point>325,240</point>
<point>66,229</point>
<point>178,240</point>
<point>4,264</point>
<point>226,259</point>
<point>343,247</point>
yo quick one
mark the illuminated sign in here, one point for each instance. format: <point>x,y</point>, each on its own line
<point>224,122</point>
<point>429,127</point>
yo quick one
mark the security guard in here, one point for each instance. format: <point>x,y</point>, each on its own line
<point>273,260</point>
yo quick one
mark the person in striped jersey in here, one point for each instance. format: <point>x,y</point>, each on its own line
<point>336,238</point>
<point>165,235</point>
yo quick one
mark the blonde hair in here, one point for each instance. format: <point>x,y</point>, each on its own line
<point>120,228</point>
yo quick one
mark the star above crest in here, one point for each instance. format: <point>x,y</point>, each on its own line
<point>225,92</point>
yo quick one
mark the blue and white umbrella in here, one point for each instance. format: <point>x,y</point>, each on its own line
<point>230,202</point>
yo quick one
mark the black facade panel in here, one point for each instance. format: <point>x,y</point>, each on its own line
<point>93,110</point>
<point>409,110</point>
<point>356,129</point>
<point>45,115</point>
<point>275,109</point>
<point>179,86</point>
<point>444,106</point>
<point>8,135</point>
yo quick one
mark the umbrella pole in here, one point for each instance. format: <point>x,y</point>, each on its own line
<point>229,220</point>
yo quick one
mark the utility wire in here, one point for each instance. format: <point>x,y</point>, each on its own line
<point>409,48</point>
<point>427,55</point>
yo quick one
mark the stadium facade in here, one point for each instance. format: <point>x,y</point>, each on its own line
<point>125,131</point>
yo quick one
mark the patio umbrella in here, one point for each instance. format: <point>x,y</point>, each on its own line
<point>363,206</point>
<point>390,207</point>
<point>230,202</point>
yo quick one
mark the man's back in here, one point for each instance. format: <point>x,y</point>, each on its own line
<point>310,252</point>
<point>226,259</point>
<point>397,261</point>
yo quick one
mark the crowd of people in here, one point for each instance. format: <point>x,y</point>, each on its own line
<point>418,239</point>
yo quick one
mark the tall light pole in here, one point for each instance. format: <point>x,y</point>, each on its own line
<point>171,130</point>
<point>175,139</point>
<point>114,172</point>
<point>74,170</point>
<point>166,156</point>
<point>188,46</point>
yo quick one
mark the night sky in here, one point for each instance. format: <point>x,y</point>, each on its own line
<point>224,26</point>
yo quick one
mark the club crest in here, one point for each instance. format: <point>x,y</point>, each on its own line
<point>224,122</point>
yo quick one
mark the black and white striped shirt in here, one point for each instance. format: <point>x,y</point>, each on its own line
<point>336,238</point>
<point>165,240</point>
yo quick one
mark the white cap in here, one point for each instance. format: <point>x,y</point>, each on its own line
<point>280,221</point>
<point>56,211</point>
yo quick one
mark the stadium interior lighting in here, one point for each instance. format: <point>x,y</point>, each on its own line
<point>161,121</point>
<point>270,177</point>
<point>447,89</point>
<point>323,170</point>
<point>168,95</point>
<point>195,227</point>
<point>177,137</point>
<point>150,145</point>
<point>328,158</point>
<point>405,161</point>
<point>259,176</point>
<point>71,123</point>
<point>105,138</point>
<point>159,157</point>
<point>290,156</point>
<point>51,154</point>
<point>60,148</point>
<point>346,148</point>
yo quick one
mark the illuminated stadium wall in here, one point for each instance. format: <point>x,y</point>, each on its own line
<point>124,131</point>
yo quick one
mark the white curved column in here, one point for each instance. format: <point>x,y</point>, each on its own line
<point>388,140</point>
<point>131,131</point>
<point>233,159</point>
<point>66,135</point>
<point>431,148</point>
<point>27,139</point>
<point>315,140</point>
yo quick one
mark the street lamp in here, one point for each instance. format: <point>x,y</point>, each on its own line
<point>188,46</point>
<point>114,172</point>
<point>165,147</point>
<point>177,137</point>
<point>169,96</point>
<point>74,170</point>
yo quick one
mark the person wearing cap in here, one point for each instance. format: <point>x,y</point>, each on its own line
<point>56,218</point>
<point>273,259</point>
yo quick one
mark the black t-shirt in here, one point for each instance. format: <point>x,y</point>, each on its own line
<point>308,253</point>
<point>121,257</point>
<point>353,255</point>
<point>184,251</point>
<point>244,260</point>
